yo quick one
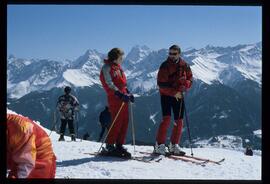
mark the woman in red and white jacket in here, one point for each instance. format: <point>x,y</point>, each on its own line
<point>174,78</point>
<point>114,82</point>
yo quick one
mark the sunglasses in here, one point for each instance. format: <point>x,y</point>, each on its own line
<point>173,53</point>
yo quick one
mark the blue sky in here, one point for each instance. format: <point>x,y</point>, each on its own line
<point>67,31</point>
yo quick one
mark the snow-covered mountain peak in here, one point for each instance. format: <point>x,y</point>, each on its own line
<point>11,56</point>
<point>90,52</point>
<point>91,56</point>
<point>137,54</point>
<point>85,70</point>
<point>226,64</point>
<point>209,47</point>
<point>189,50</point>
<point>141,48</point>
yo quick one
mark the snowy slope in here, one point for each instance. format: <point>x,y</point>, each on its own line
<point>73,163</point>
<point>236,166</point>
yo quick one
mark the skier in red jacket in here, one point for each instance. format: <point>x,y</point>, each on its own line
<point>114,82</point>
<point>174,78</point>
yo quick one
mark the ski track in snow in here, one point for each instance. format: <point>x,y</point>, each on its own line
<point>73,163</point>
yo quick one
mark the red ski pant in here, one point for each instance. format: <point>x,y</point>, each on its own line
<point>167,104</point>
<point>119,129</point>
<point>176,132</point>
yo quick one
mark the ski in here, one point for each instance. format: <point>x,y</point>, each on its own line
<point>188,158</point>
<point>201,163</point>
<point>137,158</point>
<point>197,162</point>
<point>204,159</point>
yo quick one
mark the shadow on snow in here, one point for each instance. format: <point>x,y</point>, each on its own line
<point>80,161</point>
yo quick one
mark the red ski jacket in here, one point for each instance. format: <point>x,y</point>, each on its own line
<point>113,78</point>
<point>174,77</point>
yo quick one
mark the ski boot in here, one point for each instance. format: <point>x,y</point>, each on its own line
<point>109,150</point>
<point>61,138</point>
<point>174,149</point>
<point>122,152</point>
<point>160,149</point>
<point>73,137</point>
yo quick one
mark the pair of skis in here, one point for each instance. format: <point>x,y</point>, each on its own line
<point>150,157</point>
<point>187,158</point>
<point>137,158</point>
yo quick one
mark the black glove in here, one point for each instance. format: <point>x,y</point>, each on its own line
<point>122,96</point>
<point>131,98</point>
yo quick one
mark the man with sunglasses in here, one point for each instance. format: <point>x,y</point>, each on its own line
<point>174,78</point>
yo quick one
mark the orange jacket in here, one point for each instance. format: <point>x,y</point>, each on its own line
<point>29,149</point>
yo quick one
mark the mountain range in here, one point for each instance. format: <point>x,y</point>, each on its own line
<point>225,97</point>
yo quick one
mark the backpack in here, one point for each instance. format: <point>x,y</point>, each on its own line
<point>105,118</point>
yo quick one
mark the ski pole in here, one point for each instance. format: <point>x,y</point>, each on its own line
<point>54,122</point>
<point>123,103</point>
<point>132,125</point>
<point>77,124</point>
<point>190,143</point>
<point>180,110</point>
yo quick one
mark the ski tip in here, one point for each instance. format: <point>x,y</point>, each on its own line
<point>222,160</point>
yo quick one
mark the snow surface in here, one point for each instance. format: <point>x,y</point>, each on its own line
<point>152,117</point>
<point>71,159</point>
<point>258,133</point>
<point>72,162</point>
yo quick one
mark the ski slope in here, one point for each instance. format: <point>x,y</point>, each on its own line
<point>72,162</point>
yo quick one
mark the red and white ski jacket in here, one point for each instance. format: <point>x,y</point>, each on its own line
<point>113,78</point>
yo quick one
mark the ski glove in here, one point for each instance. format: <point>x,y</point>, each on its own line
<point>122,96</point>
<point>131,98</point>
<point>128,92</point>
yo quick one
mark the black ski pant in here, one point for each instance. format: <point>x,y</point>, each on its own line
<point>64,123</point>
<point>169,103</point>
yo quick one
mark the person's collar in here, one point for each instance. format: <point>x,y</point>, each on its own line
<point>178,60</point>
<point>110,62</point>
<point>175,62</point>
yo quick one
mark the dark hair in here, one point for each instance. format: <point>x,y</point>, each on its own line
<point>67,89</point>
<point>115,53</point>
<point>175,47</point>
